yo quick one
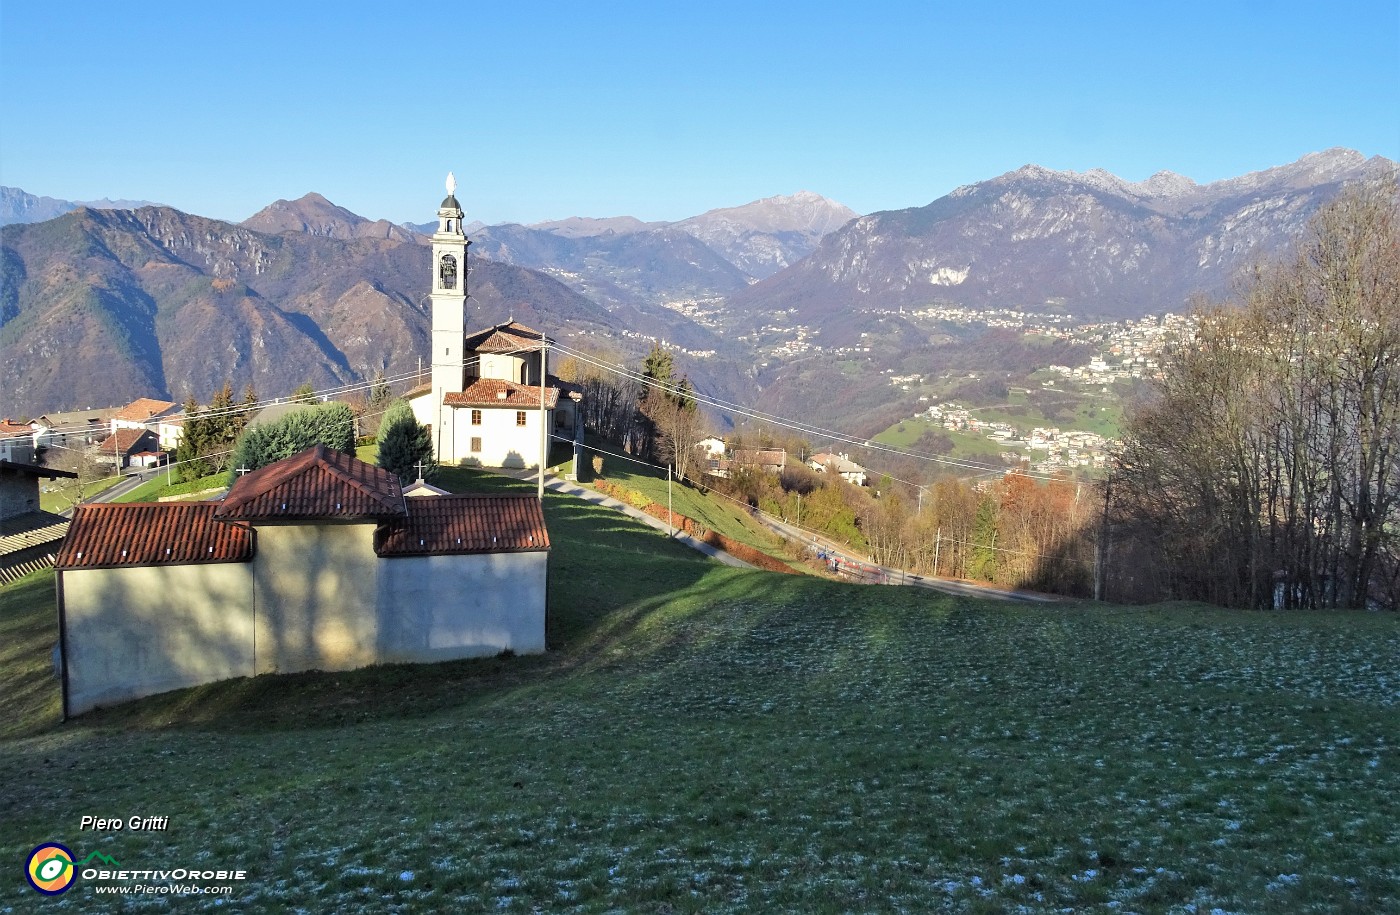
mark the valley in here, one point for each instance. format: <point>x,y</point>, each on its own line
<point>1012,320</point>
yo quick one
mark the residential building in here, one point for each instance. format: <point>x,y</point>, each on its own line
<point>16,442</point>
<point>772,460</point>
<point>840,464</point>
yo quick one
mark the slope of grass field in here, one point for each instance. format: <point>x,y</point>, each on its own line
<point>709,739</point>
<point>709,508</point>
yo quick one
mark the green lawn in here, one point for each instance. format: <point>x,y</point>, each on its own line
<point>58,496</point>
<point>155,489</point>
<point>966,445</point>
<point>709,508</point>
<point>703,739</point>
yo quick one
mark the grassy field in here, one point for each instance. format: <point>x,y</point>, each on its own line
<point>702,738</point>
<point>155,489</point>
<point>710,509</point>
<point>966,445</point>
<point>58,496</point>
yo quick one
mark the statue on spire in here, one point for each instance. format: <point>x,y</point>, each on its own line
<point>451,185</point>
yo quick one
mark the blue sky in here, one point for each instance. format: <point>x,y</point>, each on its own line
<point>661,110</point>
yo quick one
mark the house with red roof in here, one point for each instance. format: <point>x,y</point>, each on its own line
<point>16,441</point>
<point>316,562</point>
<point>122,447</point>
<point>491,401</point>
<point>162,417</point>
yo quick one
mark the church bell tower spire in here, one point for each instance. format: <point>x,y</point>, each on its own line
<point>449,298</point>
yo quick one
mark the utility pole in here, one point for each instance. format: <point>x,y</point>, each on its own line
<point>937,545</point>
<point>544,420</point>
<point>1101,548</point>
<point>669,516</point>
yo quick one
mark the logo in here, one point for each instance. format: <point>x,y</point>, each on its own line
<point>50,869</point>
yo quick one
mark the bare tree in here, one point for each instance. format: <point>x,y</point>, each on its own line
<point>1267,471</point>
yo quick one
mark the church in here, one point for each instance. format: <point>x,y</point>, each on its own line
<point>319,561</point>
<point>491,401</point>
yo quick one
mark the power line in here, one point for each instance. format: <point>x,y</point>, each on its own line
<point>783,422</point>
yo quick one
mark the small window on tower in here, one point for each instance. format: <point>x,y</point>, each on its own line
<point>447,272</point>
<point>476,417</point>
<point>476,446</point>
<point>520,417</point>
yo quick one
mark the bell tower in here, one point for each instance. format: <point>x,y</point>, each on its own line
<point>449,298</point>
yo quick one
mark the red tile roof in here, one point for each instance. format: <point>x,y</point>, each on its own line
<point>10,429</point>
<point>115,535</point>
<point>446,525</point>
<point>418,391</point>
<point>318,483</point>
<point>143,409</point>
<point>124,441</point>
<point>509,337</point>
<point>485,392</point>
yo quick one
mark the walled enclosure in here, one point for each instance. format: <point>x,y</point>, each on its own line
<point>134,632</point>
<point>315,597</point>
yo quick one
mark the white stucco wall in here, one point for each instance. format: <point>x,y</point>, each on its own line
<point>503,443</point>
<point>439,608</point>
<point>139,631</point>
<point>315,596</point>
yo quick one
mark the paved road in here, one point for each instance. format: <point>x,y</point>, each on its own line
<point>862,569</point>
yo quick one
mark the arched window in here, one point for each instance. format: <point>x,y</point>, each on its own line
<point>447,272</point>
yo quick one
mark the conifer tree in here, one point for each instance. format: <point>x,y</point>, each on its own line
<point>404,444</point>
<point>332,425</point>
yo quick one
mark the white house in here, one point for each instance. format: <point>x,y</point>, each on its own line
<point>491,401</point>
<point>840,464</point>
<point>713,447</point>
<point>16,442</point>
<point>314,562</point>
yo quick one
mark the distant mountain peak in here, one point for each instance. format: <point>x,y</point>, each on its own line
<point>587,226</point>
<point>313,214</point>
<point>766,235</point>
<point>17,206</point>
<point>1088,242</point>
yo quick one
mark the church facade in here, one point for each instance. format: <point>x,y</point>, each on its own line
<point>491,401</point>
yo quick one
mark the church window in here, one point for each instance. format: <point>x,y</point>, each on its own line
<point>476,417</point>
<point>476,446</point>
<point>447,272</point>
<point>520,417</point>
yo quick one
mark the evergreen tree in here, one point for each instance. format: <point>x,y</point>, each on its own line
<point>404,444</point>
<point>189,452</point>
<point>332,425</point>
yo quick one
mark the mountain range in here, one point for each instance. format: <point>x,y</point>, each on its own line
<point>102,306</point>
<point>99,306</point>
<point>1035,239</point>
<point>16,206</point>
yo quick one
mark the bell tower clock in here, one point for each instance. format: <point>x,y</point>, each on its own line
<point>449,298</point>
